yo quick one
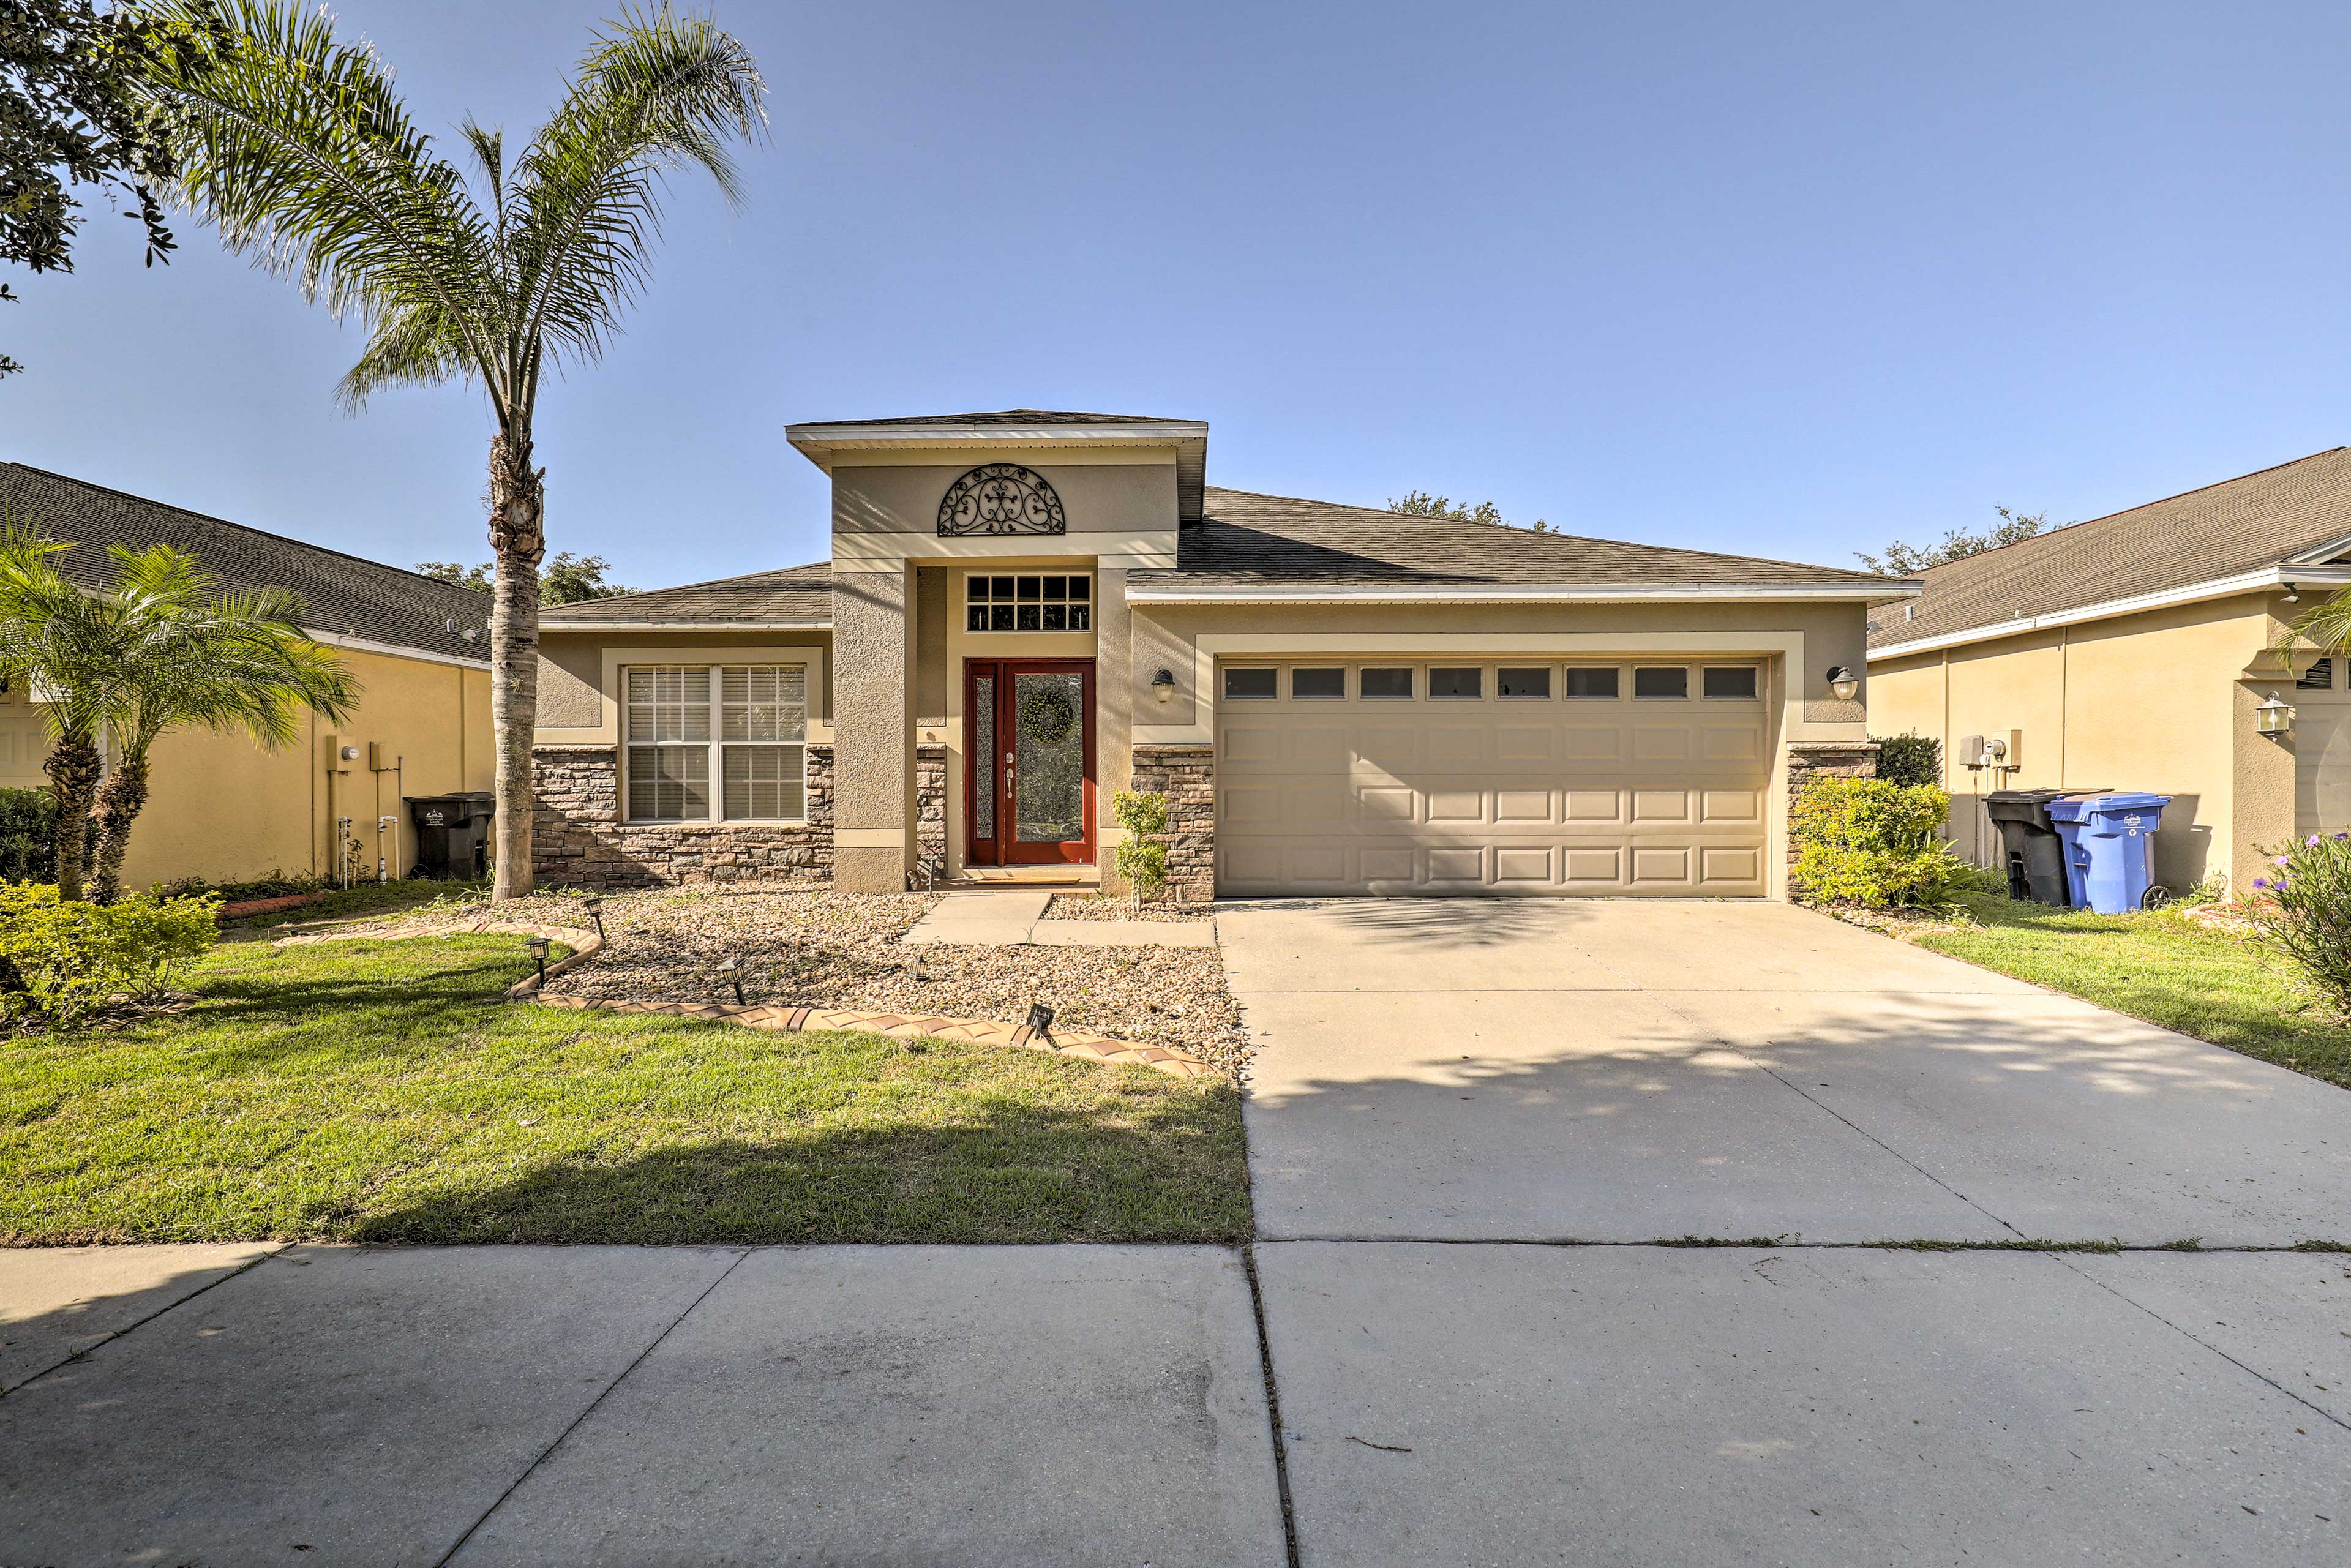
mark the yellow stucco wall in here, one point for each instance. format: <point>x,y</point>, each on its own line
<point>2154,701</point>
<point>222,808</point>
<point>225,809</point>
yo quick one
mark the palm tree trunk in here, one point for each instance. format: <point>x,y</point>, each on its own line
<point>518,540</point>
<point>119,801</point>
<point>74,767</point>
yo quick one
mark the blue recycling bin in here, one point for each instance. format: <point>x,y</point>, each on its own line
<point>2109,848</point>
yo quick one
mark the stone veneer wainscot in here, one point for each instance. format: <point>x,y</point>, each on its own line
<point>1186,775</point>
<point>1811,759</point>
<point>579,841</point>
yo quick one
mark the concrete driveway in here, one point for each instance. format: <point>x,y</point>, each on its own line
<point>1630,1072</point>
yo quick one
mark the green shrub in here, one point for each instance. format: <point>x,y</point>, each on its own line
<point>1909,760</point>
<point>1141,860</point>
<point>29,835</point>
<point>276,884</point>
<point>1874,844</point>
<point>66,960</point>
<point>2303,907</point>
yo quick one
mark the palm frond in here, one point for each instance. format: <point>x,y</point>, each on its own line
<point>2325,626</point>
<point>298,150</point>
<point>658,92</point>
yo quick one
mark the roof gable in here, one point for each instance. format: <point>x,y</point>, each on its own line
<point>348,595</point>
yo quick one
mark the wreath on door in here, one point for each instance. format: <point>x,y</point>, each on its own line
<point>1048,717</point>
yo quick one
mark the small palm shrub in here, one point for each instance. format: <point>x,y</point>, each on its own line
<point>62,960</point>
<point>2303,908</point>
<point>1909,759</point>
<point>1142,859</point>
<point>1874,844</point>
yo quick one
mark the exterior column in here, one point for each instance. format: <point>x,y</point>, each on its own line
<point>872,642</point>
<point>1113,715</point>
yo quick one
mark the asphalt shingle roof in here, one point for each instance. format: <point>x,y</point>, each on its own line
<point>793,595</point>
<point>348,596</point>
<point>1250,540</point>
<point>2236,526</point>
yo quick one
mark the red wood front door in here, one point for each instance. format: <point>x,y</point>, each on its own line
<point>1028,741</point>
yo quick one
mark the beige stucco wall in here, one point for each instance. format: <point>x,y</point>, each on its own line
<point>2157,701</point>
<point>579,673</point>
<point>1121,511</point>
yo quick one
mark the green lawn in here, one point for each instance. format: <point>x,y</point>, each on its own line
<point>2160,967</point>
<point>378,1091</point>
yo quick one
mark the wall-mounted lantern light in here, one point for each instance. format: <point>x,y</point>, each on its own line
<point>1162,684</point>
<point>2274,717</point>
<point>1844,683</point>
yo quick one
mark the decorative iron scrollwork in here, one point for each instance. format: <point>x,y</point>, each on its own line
<point>1002,498</point>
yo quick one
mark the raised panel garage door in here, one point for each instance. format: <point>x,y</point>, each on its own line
<point>1627,777</point>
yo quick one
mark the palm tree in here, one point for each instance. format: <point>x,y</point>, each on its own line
<point>53,642</point>
<point>158,649</point>
<point>298,150</point>
<point>184,656</point>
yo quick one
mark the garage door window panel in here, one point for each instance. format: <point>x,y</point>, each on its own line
<point>1455,683</point>
<point>1592,681</point>
<point>1319,683</point>
<point>1523,681</point>
<point>1386,682</point>
<point>1660,681</point>
<point>1252,685</point>
<point>1731,682</point>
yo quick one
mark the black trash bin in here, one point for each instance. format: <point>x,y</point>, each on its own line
<point>453,835</point>
<point>2031,855</point>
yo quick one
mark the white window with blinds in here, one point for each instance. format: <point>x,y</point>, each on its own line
<point>741,727</point>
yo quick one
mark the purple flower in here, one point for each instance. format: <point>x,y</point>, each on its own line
<point>2340,837</point>
<point>2260,881</point>
<point>2311,841</point>
<point>2282,860</point>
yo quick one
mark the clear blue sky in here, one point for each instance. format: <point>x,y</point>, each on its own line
<point>1789,280</point>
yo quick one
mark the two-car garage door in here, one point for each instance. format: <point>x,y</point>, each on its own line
<point>1625,776</point>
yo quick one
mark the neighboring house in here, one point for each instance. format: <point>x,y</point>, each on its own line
<point>1025,611</point>
<point>2128,652</point>
<point>222,807</point>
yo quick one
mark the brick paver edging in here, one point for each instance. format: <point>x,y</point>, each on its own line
<point>1082,1044</point>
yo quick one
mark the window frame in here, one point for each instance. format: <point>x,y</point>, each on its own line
<point>1680,696</point>
<point>1615,693</point>
<point>1078,594</point>
<point>1338,696</point>
<point>1476,674</point>
<point>715,744</point>
<point>1544,696</point>
<point>1754,676</point>
<point>1412,684</point>
<point>1225,686</point>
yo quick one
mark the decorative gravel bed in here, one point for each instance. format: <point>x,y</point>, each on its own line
<point>810,947</point>
<point>1104,906</point>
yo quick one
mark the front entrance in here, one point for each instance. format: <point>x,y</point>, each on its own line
<point>1029,740</point>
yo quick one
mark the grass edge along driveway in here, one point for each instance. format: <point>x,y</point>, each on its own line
<point>381,1091</point>
<point>2159,967</point>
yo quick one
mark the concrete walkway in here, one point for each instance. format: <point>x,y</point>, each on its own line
<point>1002,917</point>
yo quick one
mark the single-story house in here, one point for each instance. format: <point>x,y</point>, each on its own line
<point>1026,612</point>
<point>220,807</point>
<point>2130,652</point>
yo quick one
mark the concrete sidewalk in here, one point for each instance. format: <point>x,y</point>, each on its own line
<point>625,1405</point>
